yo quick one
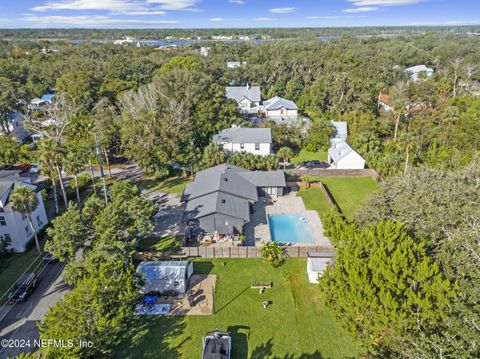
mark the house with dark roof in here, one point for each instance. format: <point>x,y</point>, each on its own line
<point>220,199</point>
<point>14,226</point>
<point>253,140</point>
<point>342,156</point>
<point>248,98</point>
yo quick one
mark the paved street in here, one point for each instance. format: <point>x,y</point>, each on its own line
<point>20,322</point>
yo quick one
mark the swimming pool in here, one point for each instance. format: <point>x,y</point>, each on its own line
<point>289,228</point>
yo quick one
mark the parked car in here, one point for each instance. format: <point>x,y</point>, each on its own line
<point>23,287</point>
<point>49,258</point>
<point>217,345</point>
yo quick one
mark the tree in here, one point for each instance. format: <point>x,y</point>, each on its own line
<point>387,291</point>
<point>213,155</point>
<point>9,150</point>
<point>97,311</point>
<point>273,253</point>
<point>74,166</point>
<point>318,135</point>
<point>286,154</point>
<point>9,101</point>
<point>24,200</point>
<point>68,234</point>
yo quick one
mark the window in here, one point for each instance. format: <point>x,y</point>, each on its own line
<point>27,230</point>
<point>257,147</point>
<point>224,201</point>
<point>24,217</point>
<point>7,237</point>
<point>242,146</point>
<point>39,221</point>
<point>3,222</point>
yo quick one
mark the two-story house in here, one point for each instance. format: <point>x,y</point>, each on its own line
<point>248,98</point>
<point>253,140</point>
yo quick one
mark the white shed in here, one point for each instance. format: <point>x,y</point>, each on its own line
<point>165,277</point>
<point>342,156</point>
<point>317,263</point>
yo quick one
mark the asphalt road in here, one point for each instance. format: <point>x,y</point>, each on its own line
<point>19,325</point>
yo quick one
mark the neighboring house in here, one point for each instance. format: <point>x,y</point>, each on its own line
<point>385,102</point>
<point>220,199</point>
<point>419,72</point>
<point>165,277</point>
<point>248,98</point>
<point>13,225</point>
<point>317,263</point>
<point>235,64</point>
<point>253,140</point>
<point>280,109</point>
<point>342,156</point>
<point>14,126</point>
<point>340,130</point>
<point>42,102</point>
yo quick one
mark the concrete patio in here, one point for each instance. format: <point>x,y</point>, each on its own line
<point>258,230</point>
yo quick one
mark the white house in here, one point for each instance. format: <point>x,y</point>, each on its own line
<point>13,225</point>
<point>42,102</point>
<point>280,109</point>
<point>14,126</point>
<point>247,97</point>
<point>317,263</point>
<point>235,64</point>
<point>417,72</point>
<point>385,102</point>
<point>340,130</point>
<point>204,51</point>
<point>342,156</point>
<point>253,140</point>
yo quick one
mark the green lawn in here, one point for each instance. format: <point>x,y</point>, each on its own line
<point>350,193</point>
<point>295,324</point>
<point>309,156</point>
<point>155,244</point>
<point>174,184</point>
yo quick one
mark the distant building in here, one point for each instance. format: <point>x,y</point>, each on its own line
<point>204,51</point>
<point>385,102</point>
<point>340,130</point>
<point>253,140</point>
<point>235,64</point>
<point>342,156</point>
<point>42,102</point>
<point>419,72</point>
<point>13,225</point>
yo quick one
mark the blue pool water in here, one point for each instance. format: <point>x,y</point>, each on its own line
<point>289,228</point>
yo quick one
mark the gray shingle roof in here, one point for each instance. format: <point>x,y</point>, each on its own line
<point>237,93</point>
<point>339,150</point>
<point>265,179</point>
<point>277,102</point>
<point>244,135</point>
<point>217,202</point>
<point>341,129</point>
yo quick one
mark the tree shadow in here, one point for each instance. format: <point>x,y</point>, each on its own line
<point>202,267</point>
<point>146,337</point>
<point>240,335</point>
<point>265,350</point>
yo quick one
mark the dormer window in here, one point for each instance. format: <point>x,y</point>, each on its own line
<point>242,146</point>
<point>224,201</point>
<point>225,179</point>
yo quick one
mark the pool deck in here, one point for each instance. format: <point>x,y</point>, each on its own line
<point>258,231</point>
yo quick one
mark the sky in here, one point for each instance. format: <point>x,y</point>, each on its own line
<point>234,13</point>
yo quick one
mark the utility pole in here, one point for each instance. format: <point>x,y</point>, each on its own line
<point>100,162</point>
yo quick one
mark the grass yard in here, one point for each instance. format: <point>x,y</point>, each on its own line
<point>174,184</point>
<point>294,325</point>
<point>155,244</point>
<point>350,193</point>
<point>309,156</point>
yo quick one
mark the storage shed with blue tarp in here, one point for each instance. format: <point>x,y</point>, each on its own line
<point>165,277</point>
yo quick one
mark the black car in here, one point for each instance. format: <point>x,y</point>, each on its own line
<point>23,287</point>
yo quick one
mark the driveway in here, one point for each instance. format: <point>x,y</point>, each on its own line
<point>168,219</point>
<point>21,321</point>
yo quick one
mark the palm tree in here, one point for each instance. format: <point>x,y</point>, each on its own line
<point>74,166</point>
<point>286,154</point>
<point>25,201</point>
<point>214,155</point>
<point>273,253</point>
<point>307,180</point>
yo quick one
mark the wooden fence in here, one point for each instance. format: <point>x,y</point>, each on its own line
<point>248,252</point>
<point>325,172</point>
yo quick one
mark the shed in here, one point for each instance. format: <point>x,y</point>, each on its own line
<point>317,262</point>
<point>165,277</point>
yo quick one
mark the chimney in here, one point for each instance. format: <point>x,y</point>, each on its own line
<point>248,86</point>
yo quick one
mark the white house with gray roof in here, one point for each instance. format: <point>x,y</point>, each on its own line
<point>220,199</point>
<point>253,140</point>
<point>419,72</point>
<point>280,109</point>
<point>342,156</point>
<point>13,225</point>
<point>248,98</point>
